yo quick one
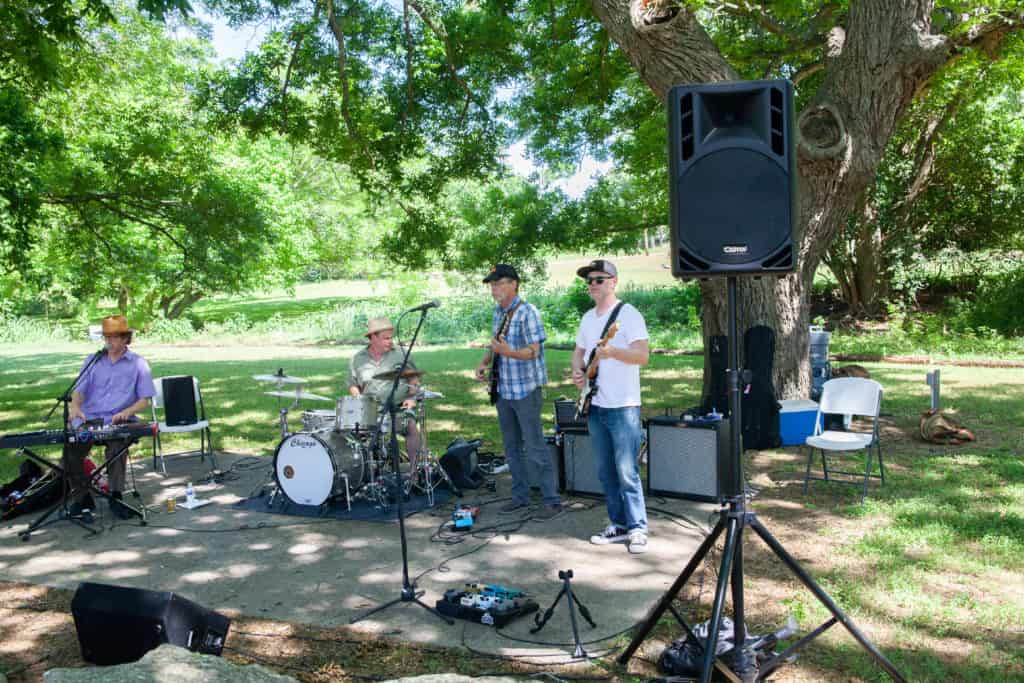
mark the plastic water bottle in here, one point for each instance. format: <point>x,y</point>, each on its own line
<point>190,494</point>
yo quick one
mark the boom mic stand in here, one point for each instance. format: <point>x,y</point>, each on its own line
<point>732,520</point>
<point>62,505</point>
<point>409,593</point>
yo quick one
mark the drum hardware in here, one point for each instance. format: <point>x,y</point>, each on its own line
<point>279,378</point>
<point>297,395</point>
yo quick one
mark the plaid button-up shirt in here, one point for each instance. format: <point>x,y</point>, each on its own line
<point>517,378</point>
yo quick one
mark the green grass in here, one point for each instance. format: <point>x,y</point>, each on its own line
<point>933,561</point>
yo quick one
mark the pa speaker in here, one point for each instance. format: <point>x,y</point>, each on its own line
<point>179,401</point>
<point>578,470</point>
<point>117,625</point>
<point>690,460</point>
<point>732,178</point>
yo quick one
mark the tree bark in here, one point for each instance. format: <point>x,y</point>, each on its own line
<point>875,65</point>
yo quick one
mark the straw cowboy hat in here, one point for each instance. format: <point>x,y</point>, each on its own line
<point>116,324</point>
<point>376,325</point>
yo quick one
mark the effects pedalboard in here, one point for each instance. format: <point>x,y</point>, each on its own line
<point>486,604</point>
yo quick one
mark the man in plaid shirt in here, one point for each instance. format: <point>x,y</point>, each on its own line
<point>521,377</point>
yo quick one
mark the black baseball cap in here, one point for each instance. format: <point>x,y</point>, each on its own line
<point>599,265</point>
<point>502,270</point>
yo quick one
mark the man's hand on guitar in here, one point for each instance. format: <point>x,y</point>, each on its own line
<point>606,351</point>
<point>500,346</point>
<point>577,378</point>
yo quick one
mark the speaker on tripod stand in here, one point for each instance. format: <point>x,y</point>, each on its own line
<point>733,198</point>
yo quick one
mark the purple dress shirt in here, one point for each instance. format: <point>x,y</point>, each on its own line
<point>109,388</point>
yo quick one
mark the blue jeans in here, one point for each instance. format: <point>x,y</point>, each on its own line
<point>615,435</point>
<point>523,437</point>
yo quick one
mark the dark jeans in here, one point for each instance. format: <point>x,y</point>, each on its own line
<point>523,437</point>
<point>74,461</point>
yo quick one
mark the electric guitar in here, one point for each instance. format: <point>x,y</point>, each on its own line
<point>496,359</point>
<point>589,389</point>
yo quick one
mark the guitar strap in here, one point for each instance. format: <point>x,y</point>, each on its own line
<point>607,326</point>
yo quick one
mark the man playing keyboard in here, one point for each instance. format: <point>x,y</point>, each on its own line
<point>117,386</point>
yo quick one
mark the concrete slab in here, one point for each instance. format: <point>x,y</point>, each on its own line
<point>324,572</point>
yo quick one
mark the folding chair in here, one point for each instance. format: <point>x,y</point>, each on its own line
<point>849,396</point>
<point>179,398</point>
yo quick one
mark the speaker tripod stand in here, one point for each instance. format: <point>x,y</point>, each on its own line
<point>733,519</point>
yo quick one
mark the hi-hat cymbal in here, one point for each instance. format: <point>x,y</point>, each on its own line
<point>297,394</point>
<point>391,374</point>
<point>280,379</point>
<point>427,393</point>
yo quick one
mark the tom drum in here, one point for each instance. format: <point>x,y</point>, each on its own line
<point>357,412</point>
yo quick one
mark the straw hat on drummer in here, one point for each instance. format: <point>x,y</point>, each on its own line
<point>376,325</point>
<point>117,324</point>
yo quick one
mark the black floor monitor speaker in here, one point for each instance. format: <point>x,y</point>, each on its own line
<point>578,469</point>
<point>179,401</point>
<point>732,178</point>
<point>689,459</point>
<point>117,625</point>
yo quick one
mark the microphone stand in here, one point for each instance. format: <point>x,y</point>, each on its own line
<point>409,592</point>
<point>62,505</point>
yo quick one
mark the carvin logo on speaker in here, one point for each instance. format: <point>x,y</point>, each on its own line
<point>735,249</point>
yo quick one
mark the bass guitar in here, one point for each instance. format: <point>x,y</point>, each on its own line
<point>589,389</point>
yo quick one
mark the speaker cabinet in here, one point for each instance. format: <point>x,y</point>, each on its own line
<point>732,178</point>
<point>689,460</point>
<point>179,401</point>
<point>578,469</point>
<point>117,625</point>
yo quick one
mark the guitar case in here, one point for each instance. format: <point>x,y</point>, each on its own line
<point>759,406</point>
<point>718,392</point>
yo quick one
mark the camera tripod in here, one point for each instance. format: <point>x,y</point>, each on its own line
<point>566,577</point>
<point>732,520</point>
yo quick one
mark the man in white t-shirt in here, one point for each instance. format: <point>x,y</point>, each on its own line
<point>614,418</point>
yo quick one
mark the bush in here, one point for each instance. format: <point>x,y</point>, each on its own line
<point>20,329</point>
<point>997,305</point>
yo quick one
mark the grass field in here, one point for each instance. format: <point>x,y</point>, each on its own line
<point>931,564</point>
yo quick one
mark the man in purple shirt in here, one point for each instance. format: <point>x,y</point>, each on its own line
<point>118,385</point>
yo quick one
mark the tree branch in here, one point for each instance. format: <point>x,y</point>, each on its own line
<point>442,34</point>
<point>346,113</point>
<point>299,37</point>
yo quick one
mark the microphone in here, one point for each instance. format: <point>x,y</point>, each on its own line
<point>423,307</point>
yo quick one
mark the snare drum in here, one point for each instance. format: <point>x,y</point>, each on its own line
<point>357,412</point>
<point>312,468</point>
<point>318,420</point>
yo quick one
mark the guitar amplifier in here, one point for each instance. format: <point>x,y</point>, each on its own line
<point>578,471</point>
<point>690,460</point>
<point>565,416</point>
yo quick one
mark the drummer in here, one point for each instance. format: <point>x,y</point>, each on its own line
<point>380,355</point>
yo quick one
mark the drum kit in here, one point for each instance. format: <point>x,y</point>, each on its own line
<point>342,454</point>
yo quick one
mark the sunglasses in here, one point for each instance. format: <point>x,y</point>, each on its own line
<point>597,280</point>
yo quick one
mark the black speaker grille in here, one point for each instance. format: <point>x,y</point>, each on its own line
<point>734,208</point>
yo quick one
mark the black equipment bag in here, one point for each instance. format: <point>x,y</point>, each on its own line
<point>32,490</point>
<point>717,397</point>
<point>759,406</point>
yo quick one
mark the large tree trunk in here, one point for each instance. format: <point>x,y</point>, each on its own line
<point>873,70</point>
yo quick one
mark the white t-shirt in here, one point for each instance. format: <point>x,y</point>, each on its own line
<point>618,383</point>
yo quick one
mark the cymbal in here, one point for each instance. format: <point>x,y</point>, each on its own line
<point>391,374</point>
<point>280,379</point>
<point>297,394</point>
<point>427,393</point>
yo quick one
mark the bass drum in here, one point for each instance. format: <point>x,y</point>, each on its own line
<point>312,468</point>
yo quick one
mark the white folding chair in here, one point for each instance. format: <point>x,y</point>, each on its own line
<point>180,416</point>
<point>847,396</point>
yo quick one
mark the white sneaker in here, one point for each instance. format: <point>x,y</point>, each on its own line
<point>611,534</point>
<point>637,542</point>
